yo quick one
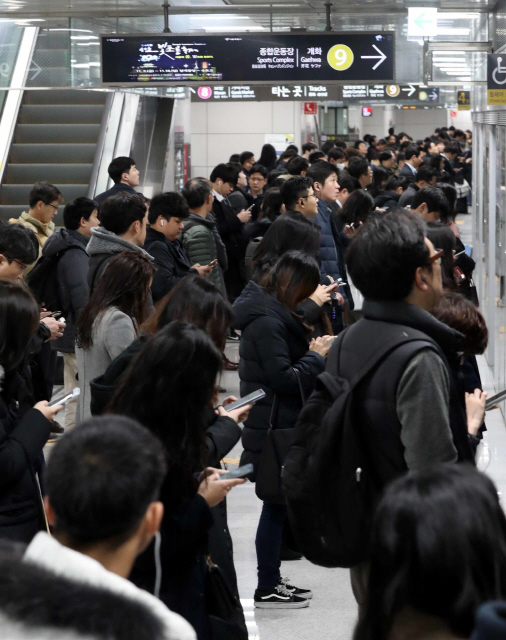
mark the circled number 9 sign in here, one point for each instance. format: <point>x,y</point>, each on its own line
<point>340,57</point>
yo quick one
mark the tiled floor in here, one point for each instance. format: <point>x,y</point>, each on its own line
<point>333,611</point>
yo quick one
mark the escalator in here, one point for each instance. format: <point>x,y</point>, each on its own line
<point>54,140</point>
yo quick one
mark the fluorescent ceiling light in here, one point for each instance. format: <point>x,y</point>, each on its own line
<point>232,29</point>
<point>448,53</point>
<point>84,37</point>
<point>465,78</point>
<point>220,17</point>
<point>88,44</point>
<point>85,30</point>
<point>444,15</point>
<point>19,20</point>
<point>452,61</point>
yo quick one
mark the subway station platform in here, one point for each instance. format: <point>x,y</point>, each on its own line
<point>332,613</point>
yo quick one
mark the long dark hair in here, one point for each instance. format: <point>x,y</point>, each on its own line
<point>199,302</point>
<point>293,278</point>
<point>124,284</point>
<point>380,177</point>
<point>438,546</point>
<point>271,205</point>
<point>268,157</point>
<point>169,388</point>
<point>290,232</point>
<point>442,237</point>
<point>19,320</point>
<point>358,207</point>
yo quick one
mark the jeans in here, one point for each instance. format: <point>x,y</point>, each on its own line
<point>268,544</point>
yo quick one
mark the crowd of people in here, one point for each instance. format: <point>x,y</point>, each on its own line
<point>338,268</point>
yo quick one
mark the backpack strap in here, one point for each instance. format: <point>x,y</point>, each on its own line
<point>381,354</point>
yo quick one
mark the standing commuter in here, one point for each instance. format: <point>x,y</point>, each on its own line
<point>360,169</point>
<point>308,148</point>
<point>276,356</point>
<point>438,552</point>
<point>247,160</point>
<point>431,204</point>
<point>110,321</point>
<point>122,228</point>
<point>125,176</point>
<point>414,158</point>
<point>425,177</point>
<point>397,270</point>
<point>268,158</point>
<point>298,195</point>
<point>231,228</point>
<point>166,214</point>
<point>326,188</point>
<point>257,182</point>
<point>22,437</point>
<point>200,236</point>
<point>103,485</point>
<point>43,202</point>
<point>79,217</point>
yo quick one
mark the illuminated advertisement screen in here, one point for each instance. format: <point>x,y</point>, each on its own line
<point>272,57</point>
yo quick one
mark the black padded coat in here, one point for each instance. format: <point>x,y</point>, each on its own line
<point>274,345</point>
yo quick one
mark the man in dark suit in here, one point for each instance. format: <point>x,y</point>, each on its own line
<point>125,176</point>
<point>450,155</point>
<point>414,159</point>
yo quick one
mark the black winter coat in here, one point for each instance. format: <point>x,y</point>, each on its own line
<point>171,262</point>
<point>72,274</point>
<point>21,444</point>
<point>274,344</point>
<point>114,190</point>
<point>191,530</point>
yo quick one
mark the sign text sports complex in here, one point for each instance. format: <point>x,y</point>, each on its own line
<point>189,59</point>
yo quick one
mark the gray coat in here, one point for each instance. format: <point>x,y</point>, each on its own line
<point>72,272</point>
<point>112,332</point>
<point>203,244</point>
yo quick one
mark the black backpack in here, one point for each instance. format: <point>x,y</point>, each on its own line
<point>43,281</point>
<point>328,481</point>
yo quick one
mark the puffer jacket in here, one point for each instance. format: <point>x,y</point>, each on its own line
<point>72,274</point>
<point>203,244</point>
<point>274,357</point>
<point>41,230</point>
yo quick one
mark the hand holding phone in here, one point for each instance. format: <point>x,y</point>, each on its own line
<point>213,263</point>
<point>249,399</point>
<point>245,470</point>
<point>75,392</point>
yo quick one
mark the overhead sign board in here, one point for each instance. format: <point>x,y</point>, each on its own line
<point>320,92</point>
<point>264,58</point>
<point>258,93</point>
<point>422,21</point>
<point>496,78</point>
<point>393,92</point>
<point>464,100</point>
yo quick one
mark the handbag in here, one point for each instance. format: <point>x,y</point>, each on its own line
<point>277,442</point>
<point>226,619</point>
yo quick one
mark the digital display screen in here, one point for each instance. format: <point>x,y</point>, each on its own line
<point>272,57</point>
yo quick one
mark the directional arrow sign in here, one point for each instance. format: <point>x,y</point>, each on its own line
<point>422,21</point>
<point>434,95</point>
<point>36,69</point>
<point>381,58</point>
<point>411,90</point>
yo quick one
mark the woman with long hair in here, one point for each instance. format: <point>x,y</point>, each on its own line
<point>268,157</point>
<point>170,388</point>
<point>443,237</point>
<point>438,551</point>
<point>380,177</point>
<point>111,319</point>
<point>22,439</point>
<point>358,207</point>
<point>278,357</point>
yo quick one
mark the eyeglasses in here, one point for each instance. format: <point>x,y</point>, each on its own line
<point>21,264</point>
<point>436,257</point>
<point>309,195</point>
<point>55,207</point>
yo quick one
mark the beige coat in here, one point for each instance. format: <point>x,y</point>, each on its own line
<point>41,230</point>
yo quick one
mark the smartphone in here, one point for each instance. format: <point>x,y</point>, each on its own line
<point>249,208</point>
<point>53,314</point>
<point>213,263</point>
<point>66,399</point>
<point>249,399</point>
<point>245,470</point>
<point>456,255</point>
<point>499,397</point>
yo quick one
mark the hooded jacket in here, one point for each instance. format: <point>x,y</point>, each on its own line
<point>41,230</point>
<point>78,569</point>
<point>274,357</point>
<point>172,264</point>
<point>101,248</point>
<point>72,275</point>
<point>203,244</point>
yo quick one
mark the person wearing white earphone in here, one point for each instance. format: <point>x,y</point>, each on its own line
<point>166,214</point>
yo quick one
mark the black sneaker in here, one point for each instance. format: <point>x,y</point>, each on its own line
<point>295,591</point>
<point>279,598</point>
<point>233,336</point>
